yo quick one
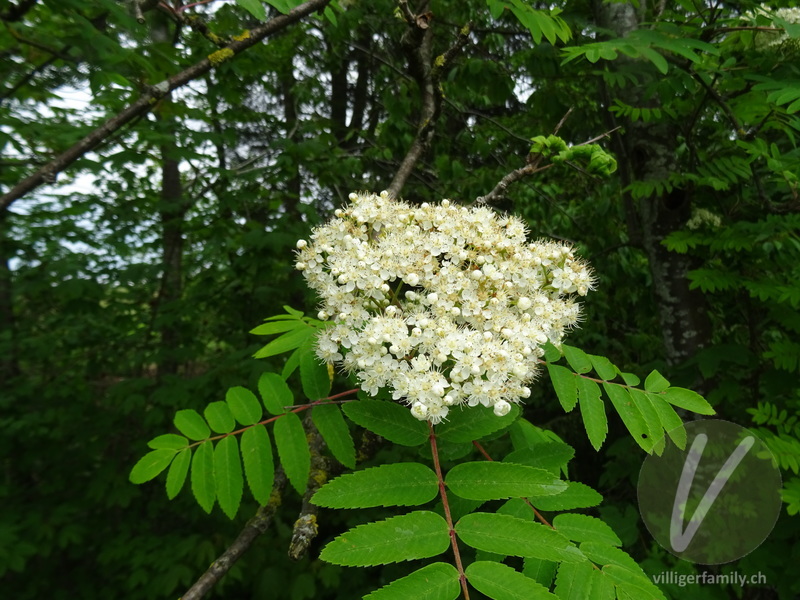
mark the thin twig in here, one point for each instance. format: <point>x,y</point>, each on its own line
<point>499,190</point>
<point>428,74</point>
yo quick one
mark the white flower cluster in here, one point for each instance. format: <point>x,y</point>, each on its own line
<point>443,304</point>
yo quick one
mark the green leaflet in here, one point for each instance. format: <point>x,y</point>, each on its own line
<point>399,484</point>
<point>593,411</point>
<point>168,441</point>
<point>313,373</point>
<point>219,417</point>
<point>418,534</point>
<point>275,393</point>
<point>630,414</point>
<point>228,480</point>
<point>332,427</point>
<point>244,405</point>
<point>577,359</point>
<point>550,456</point>
<point>670,420</point>
<point>191,424</point>
<point>151,464</point>
<point>542,571</point>
<point>473,423</point>
<point>487,480</point>
<point>203,476</point>
<point>655,382</point>
<point>389,420</point>
<point>603,367</point>
<point>274,327</point>
<point>510,536</point>
<point>438,581</point>
<point>583,528</point>
<point>565,384</point>
<point>176,475</point>
<point>577,495</point>
<point>650,416</point>
<point>288,341</point>
<point>688,399</point>
<point>290,438</point>
<point>259,467</point>
<point>501,582</point>
<point>574,580</point>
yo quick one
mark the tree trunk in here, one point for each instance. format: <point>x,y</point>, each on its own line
<point>172,213</point>
<point>647,151</point>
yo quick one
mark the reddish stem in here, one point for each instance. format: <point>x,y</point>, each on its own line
<point>462,577</point>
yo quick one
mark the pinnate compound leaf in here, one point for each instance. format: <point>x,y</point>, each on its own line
<point>577,359</point>
<point>655,382</point>
<point>474,423</point>
<point>438,581</point>
<point>577,495</point>
<point>488,480</point>
<point>313,374</point>
<point>418,534</point>
<point>501,582</point>
<point>203,476</point>
<point>168,441</point>
<point>176,475</point>
<point>583,528</point>
<point>630,414</point>
<point>191,424</point>
<point>275,393</point>
<point>388,420</point>
<point>244,405</point>
<point>290,438</point>
<point>259,467</point>
<point>151,464</point>
<point>398,484</point>
<point>574,580</point>
<point>593,411</point>
<point>219,417</point>
<point>228,475</point>
<point>332,427</point>
<point>254,7</point>
<point>565,384</point>
<point>511,536</point>
<point>633,583</point>
<point>688,399</point>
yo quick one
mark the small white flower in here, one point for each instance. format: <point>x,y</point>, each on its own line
<point>502,408</point>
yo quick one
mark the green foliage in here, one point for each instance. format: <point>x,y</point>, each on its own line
<point>400,484</point>
<point>419,534</point>
<point>84,269</point>
<point>646,414</point>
